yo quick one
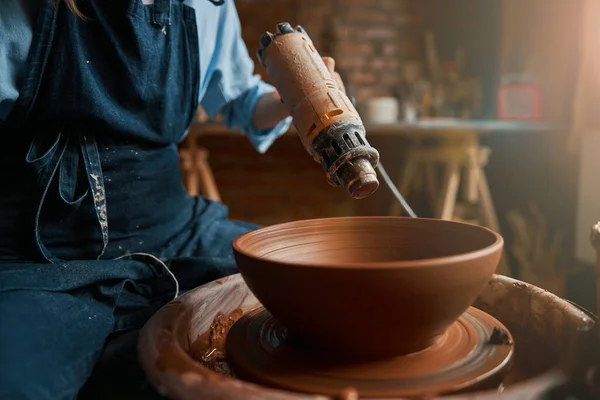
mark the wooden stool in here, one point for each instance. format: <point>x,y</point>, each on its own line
<point>460,157</point>
<point>456,154</point>
<point>199,179</point>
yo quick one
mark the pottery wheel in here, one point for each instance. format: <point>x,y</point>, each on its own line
<point>259,351</point>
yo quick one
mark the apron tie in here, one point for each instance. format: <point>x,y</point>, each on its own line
<point>161,13</point>
<point>63,156</point>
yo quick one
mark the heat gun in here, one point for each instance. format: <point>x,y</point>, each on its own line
<point>329,126</point>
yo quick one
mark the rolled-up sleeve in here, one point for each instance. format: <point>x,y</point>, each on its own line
<point>232,87</point>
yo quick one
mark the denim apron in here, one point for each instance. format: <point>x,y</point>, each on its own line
<point>96,229</point>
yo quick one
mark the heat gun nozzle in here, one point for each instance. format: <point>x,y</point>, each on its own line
<point>358,177</point>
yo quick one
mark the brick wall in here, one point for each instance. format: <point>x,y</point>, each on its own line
<point>369,40</point>
<point>285,184</point>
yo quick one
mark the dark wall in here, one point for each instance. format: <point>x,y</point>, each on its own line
<point>473,26</point>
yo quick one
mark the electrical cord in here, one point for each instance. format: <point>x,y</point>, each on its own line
<point>389,182</point>
<point>396,192</point>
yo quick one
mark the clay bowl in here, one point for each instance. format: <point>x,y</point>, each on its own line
<point>368,287</point>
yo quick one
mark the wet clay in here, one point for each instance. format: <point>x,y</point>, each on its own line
<point>259,350</point>
<point>209,348</point>
<point>541,324</point>
<point>166,343</point>
<point>391,285</point>
<point>530,314</point>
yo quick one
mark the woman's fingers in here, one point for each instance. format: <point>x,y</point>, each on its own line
<point>330,64</point>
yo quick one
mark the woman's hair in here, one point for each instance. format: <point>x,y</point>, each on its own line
<point>71,4</point>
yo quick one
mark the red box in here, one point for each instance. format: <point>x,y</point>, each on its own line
<point>520,101</point>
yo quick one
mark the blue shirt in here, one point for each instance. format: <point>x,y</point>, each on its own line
<point>228,84</point>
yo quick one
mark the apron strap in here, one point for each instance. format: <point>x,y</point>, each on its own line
<point>91,159</point>
<point>46,166</point>
<point>161,12</point>
<point>63,156</point>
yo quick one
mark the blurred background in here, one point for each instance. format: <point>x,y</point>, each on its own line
<point>482,110</point>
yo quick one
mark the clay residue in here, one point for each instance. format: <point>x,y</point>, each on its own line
<point>500,337</point>
<point>209,348</point>
<point>547,331</point>
<point>216,362</point>
<point>521,285</point>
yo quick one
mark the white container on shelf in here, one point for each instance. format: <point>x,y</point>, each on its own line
<point>381,110</point>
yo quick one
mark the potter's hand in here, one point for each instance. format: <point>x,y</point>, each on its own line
<point>330,64</point>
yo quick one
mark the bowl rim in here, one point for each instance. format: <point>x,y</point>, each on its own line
<point>426,262</point>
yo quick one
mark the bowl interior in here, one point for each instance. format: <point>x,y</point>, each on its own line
<point>366,240</point>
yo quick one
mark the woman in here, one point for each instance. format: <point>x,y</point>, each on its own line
<point>96,229</point>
